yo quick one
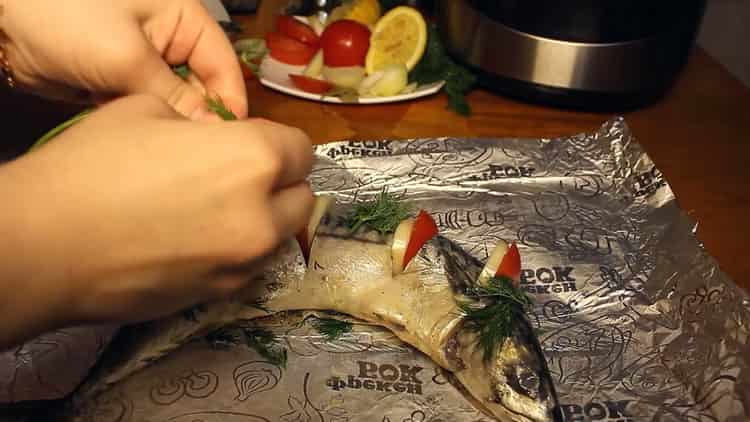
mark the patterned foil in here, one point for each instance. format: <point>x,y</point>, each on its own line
<point>637,321</point>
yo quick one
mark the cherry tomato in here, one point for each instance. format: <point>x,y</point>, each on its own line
<point>288,50</point>
<point>345,43</point>
<point>311,85</point>
<point>297,30</point>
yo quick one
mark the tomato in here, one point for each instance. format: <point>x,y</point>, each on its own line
<point>288,50</point>
<point>345,43</point>
<point>311,85</point>
<point>424,229</point>
<point>511,265</point>
<point>247,74</point>
<point>297,30</point>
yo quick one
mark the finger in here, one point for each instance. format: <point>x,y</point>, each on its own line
<point>291,208</point>
<point>293,146</point>
<point>199,41</point>
<point>143,104</point>
<point>155,76</point>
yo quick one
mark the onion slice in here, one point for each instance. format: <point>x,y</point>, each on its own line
<point>306,237</point>
<point>409,238</point>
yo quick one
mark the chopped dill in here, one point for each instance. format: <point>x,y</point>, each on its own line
<point>267,345</point>
<point>493,321</point>
<point>222,339</point>
<point>382,215</point>
<point>332,329</point>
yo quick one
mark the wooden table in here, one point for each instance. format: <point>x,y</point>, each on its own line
<point>699,135</point>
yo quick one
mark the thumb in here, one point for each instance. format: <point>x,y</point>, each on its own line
<point>154,76</point>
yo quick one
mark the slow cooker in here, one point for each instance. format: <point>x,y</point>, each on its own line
<point>584,54</point>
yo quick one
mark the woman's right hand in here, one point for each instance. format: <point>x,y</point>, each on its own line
<point>136,212</point>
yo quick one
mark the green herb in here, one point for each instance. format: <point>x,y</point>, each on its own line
<point>222,339</point>
<point>383,215</point>
<point>251,51</point>
<point>332,329</point>
<point>266,344</point>
<point>60,128</point>
<point>182,70</point>
<point>493,321</point>
<point>436,65</point>
<point>216,105</point>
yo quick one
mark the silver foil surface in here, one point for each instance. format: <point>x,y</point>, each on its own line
<point>637,321</point>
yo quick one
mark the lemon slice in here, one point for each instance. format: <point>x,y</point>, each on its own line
<point>364,11</point>
<point>399,37</point>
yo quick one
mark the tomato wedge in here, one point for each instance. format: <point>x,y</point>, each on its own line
<point>511,265</point>
<point>424,230</point>
<point>288,50</point>
<point>311,85</point>
<point>409,238</point>
<point>297,30</point>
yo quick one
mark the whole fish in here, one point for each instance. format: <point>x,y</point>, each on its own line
<point>352,273</point>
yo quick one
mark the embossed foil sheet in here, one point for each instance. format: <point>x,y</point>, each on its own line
<point>636,320</point>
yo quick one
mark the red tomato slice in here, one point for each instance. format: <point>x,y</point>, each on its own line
<point>247,74</point>
<point>345,43</point>
<point>288,50</point>
<point>511,265</point>
<point>424,229</point>
<point>297,30</point>
<point>311,85</point>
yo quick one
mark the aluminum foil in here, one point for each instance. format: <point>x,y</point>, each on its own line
<point>637,321</point>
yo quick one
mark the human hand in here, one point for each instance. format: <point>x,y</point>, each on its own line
<point>136,212</point>
<point>93,50</point>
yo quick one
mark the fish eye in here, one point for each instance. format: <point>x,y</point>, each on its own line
<point>525,382</point>
<point>529,381</point>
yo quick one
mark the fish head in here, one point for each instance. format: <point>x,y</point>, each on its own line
<point>519,379</point>
<point>513,384</point>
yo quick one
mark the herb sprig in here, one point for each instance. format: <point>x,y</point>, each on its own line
<point>332,329</point>
<point>382,215</point>
<point>436,65</point>
<point>261,340</point>
<point>493,321</point>
<point>216,105</point>
<point>251,52</point>
<point>267,345</point>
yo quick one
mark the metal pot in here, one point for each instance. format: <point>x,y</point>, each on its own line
<point>584,54</point>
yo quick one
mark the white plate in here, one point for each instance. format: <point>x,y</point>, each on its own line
<point>275,75</point>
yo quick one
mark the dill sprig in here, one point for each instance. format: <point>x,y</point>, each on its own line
<point>183,71</point>
<point>382,215</point>
<point>332,329</point>
<point>216,105</point>
<point>267,345</point>
<point>60,128</point>
<point>493,321</point>
<point>222,339</point>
